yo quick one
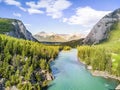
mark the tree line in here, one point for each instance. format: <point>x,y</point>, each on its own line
<point>101,58</point>
<point>24,63</point>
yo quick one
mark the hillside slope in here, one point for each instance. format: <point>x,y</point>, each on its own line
<point>73,43</point>
<point>104,56</point>
<point>113,36</point>
<point>15,28</point>
<point>100,31</point>
<point>25,64</point>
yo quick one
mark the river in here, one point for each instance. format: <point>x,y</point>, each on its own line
<point>70,74</point>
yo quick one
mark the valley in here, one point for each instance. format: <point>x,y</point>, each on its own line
<point>60,38</point>
<point>70,74</point>
<point>24,65</point>
<point>55,61</point>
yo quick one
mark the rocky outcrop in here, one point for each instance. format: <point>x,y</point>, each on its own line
<point>101,30</point>
<point>49,76</point>
<point>2,81</point>
<point>18,30</point>
<point>118,87</point>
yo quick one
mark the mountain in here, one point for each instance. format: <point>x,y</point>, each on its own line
<point>73,43</point>
<point>53,37</point>
<point>15,28</point>
<point>101,31</point>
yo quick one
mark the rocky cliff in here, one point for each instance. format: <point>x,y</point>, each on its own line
<point>101,30</point>
<point>15,28</point>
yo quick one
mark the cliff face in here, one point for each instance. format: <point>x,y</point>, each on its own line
<point>101,30</point>
<point>17,29</point>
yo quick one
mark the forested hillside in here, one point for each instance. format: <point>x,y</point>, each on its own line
<point>25,64</point>
<point>5,25</point>
<point>104,56</point>
<point>15,28</point>
<point>73,43</point>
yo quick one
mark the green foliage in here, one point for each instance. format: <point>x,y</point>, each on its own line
<point>66,48</point>
<point>95,56</point>
<point>105,56</point>
<point>113,37</point>
<point>7,84</point>
<point>43,64</point>
<point>22,62</point>
<point>5,25</point>
<point>116,64</point>
<point>73,43</point>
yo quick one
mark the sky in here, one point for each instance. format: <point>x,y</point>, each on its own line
<point>58,16</point>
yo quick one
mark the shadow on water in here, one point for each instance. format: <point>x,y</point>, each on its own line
<point>51,85</point>
<point>55,71</point>
<point>52,63</point>
<point>46,88</point>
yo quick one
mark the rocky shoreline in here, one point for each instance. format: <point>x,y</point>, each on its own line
<point>105,75</point>
<point>101,73</point>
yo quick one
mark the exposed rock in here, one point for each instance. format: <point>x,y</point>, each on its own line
<point>89,67</point>
<point>104,74</point>
<point>101,30</point>
<point>13,88</point>
<point>118,87</point>
<point>49,76</point>
<point>18,30</point>
<point>2,81</point>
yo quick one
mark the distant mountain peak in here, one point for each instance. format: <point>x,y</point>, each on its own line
<point>42,32</point>
<point>53,37</point>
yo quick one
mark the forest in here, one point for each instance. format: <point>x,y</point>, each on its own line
<point>25,63</point>
<point>104,56</point>
<point>101,59</point>
<point>5,25</point>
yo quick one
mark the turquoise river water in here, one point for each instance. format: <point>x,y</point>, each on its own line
<point>70,74</point>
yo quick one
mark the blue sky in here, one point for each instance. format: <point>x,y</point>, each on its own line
<point>59,16</point>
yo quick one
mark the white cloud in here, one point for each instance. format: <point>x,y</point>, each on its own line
<point>13,2</point>
<point>34,11</point>
<point>55,14</point>
<point>32,4</point>
<point>27,25</point>
<point>53,8</point>
<point>85,17</point>
<point>23,9</point>
<point>17,14</point>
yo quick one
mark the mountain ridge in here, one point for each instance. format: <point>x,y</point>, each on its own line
<point>101,30</point>
<point>54,37</point>
<point>15,28</point>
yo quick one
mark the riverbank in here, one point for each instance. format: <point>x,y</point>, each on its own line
<point>70,74</point>
<point>101,73</point>
<point>106,75</point>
